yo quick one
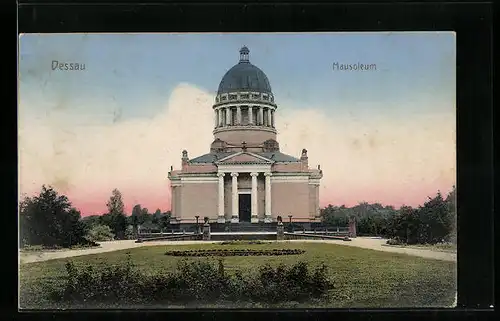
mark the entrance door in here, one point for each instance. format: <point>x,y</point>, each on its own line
<point>245,201</point>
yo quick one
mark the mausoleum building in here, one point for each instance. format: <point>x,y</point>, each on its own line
<point>244,177</point>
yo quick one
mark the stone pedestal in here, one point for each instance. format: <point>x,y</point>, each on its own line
<point>254,219</point>
<point>268,219</point>
<point>221,220</point>
<point>206,232</point>
<point>280,232</point>
<point>235,220</point>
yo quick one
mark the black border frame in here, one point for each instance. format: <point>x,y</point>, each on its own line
<point>471,21</point>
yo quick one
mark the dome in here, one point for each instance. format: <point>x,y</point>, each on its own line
<point>244,77</point>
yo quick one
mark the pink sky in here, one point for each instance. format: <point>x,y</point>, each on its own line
<point>373,158</point>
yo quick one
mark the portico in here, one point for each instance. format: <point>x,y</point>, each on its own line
<point>256,172</point>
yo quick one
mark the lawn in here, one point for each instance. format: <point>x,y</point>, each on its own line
<point>362,278</point>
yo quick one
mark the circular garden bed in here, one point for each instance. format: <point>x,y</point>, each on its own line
<point>240,242</point>
<point>228,252</point>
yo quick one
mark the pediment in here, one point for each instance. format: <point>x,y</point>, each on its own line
<point>244,158</point>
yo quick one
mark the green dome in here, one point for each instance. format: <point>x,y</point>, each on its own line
<point>244,77</point>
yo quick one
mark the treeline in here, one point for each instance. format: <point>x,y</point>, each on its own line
<point>115,224</point>
<point>50,220</point>
<point>431,223</point>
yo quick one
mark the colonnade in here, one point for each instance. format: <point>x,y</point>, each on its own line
<point>224,116</point>
<point>234,196</point>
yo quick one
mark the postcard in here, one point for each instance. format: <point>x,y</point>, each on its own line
<point>252,170</point>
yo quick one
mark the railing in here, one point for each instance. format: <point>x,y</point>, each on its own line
<point>298,236</point>
<point>181,237</point>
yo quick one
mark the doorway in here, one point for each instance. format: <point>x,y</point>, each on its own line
<point>245,201</point>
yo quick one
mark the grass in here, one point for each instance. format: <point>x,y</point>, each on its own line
<point>363,278</point>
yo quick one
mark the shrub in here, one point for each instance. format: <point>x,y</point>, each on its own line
<point>99,233</point>
<point>394,242</point>
<point>294,283</point>
<point>199,281</point>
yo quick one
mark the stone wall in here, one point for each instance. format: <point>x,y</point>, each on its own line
<point>199,199</point>
<point>251,137</point>
<point>290,198</point>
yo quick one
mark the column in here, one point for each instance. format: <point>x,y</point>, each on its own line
<point>250,115</point>
<point>267,218</point>
<point>220,117</point>
<point>261,118</point>
<point>221,218</point>
<point>269,117</point>
<point>254,208</point>
<point>238,115</point>
<point>228,116</point>
<point>272,118</point>
<point>235,214</point>
<point>216,118</point>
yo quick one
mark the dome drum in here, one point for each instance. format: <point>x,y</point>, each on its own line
<point>228,98</point>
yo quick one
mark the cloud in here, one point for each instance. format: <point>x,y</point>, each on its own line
<point>377,159</point>
<point>363,158</point>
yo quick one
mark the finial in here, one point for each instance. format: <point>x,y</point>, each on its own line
<point>171,168</point>
<point>304,153</point>
<point>184,154</point>
<point>244,54</point>
<point>244,146</point>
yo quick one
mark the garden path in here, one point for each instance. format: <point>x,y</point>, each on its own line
<point>363,242</point>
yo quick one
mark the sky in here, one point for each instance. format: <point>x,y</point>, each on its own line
<point>385,135</point>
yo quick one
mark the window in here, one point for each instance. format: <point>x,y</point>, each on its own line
<point>232,97</point>
<point>264,97</point>
<point>223,98</point>
<point>271,98</point>
<point>245,96</point>
<point>255,96</point>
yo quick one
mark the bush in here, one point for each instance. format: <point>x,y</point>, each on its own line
<point>198,281</point>
<point>100,233</point>
<point>394,242</point>
<point>236,242</point>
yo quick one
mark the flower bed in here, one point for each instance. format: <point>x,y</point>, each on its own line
<point>227,252</point>
<point>240,242</point>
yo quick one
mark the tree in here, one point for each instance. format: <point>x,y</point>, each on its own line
<point>156,217</point>
<point>144,216</point>
<point>118,220</point>
<point>92,220</point>
<point>451,201</point>
<point>164,221</point>
<point>435,213</point>
<point>335,216</point>
<point>136,213</point>
<point>49,219</point>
